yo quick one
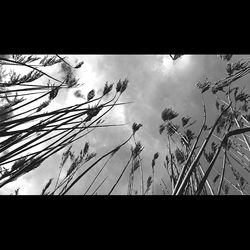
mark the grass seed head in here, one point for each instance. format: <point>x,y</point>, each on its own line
<point>18,164</point>
<point>161,128</point>
<point>149,181</point>
<point>91,94</point>
<point>53,93</point>
<point>225,57</point>
<point>185,121</point>
<point>124,85</point>
<point>170,129</point>
<point>90,156</point>
<point>156,155</point>
<point>203,86</point>
<point>136,127</point>
<point>17,191</point>
<point>119,86</point>
<point>43,105</point>
<point>216,178</point>
<point>79,65</point>
<point>107,88</point>
<point>78,94</point>
<point>135,165</point>
<point>136,150</point>
<point>168,114</point>
<point>167,159</point>
<point>86,148</point>
<point>92,112</point>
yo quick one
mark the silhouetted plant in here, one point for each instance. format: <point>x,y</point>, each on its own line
<point>232,121</point>
<point>23,126</point>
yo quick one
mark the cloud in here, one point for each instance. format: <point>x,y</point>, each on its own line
<point>152,87</point>
<point>155,82</point>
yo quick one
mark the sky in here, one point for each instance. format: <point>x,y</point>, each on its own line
<point>156,82</point>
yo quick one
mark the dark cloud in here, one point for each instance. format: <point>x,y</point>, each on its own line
<point>152,87</point>
<point>151,90</point>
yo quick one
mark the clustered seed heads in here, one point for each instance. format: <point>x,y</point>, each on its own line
<point>73,166</point>
<point>53,93</point>
<point>216,178</point>
<point>79,65</point>
<point>175,56</point>
<point>170,129</point>
<point>168,114</point>
<point>92,112</point>
<point>65,156</point>
<point>118,86</point>
<point>41,129</point>
<point>136,127</point>
<point>136,165</point>
<point>180,156</point>
<point>124,85</point>
<point>231,67</point>
<point>156,155</point>
<point>18,164</point>
<point>86,148</point>
<point>91,95</point>
<point>189,135</point>
<point>121,86</point>
<point>149,181</point>
<point>203,86</point>
<point>226,57</point>
<point>107,88</point>
<point>43,105</point>
<point>47,186</point>
<point>71,81</point>
<point>78,94</point>
<point>185,121</point>
<point>49,61</point>
<point>90,156</point>
<point>137,149</point>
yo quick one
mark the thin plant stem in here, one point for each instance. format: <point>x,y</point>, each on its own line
<point>99,172</point>
<point>100,185</point>
<point>120,176</point>
<point>223,172</point>
<point>89,168</point>
<point>197,158</point>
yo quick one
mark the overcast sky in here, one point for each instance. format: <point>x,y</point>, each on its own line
<point>155,82</point>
